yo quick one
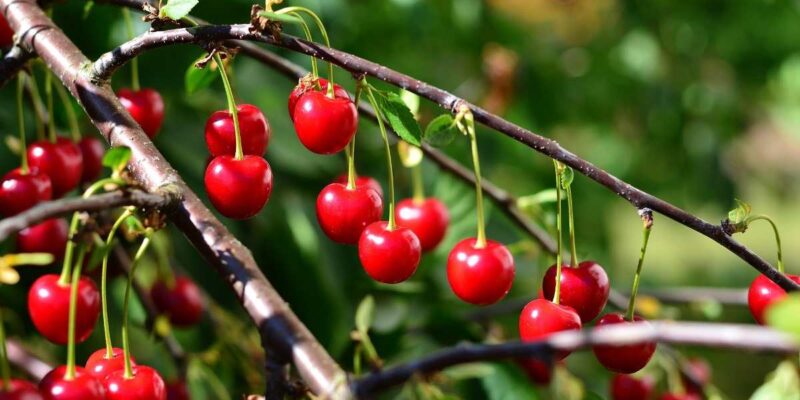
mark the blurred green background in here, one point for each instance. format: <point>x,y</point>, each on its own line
<point>695,102</point>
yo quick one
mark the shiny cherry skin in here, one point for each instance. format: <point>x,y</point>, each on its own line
<point>763,293</point>
<point>625,359</point>
<point>6,33</point>
<point>343,213</point>
<point>538,372</point>
<point>146,107</point>
<point>480,276</point>
<point>238,189</point>
<point>177,390</point>
<point>48,306</point>
<point>61,161</point>
<point>700,370</point>
<point>325,125</point>
<point>183,303</point>
<point>92,150</point>
<point>84,386</point>
<point>49,236</point>
<point>362,180</point>
<point>20,191</point>
<point>253,127</point>
<point>428,219</point>
<point>307,85</point>
<point>676,396</point>
<point>541,318</point>
<point>100,367</point>
<point>146,384</point>
<point>389,256</point>
<point>628,387</point>
<point>20,390</point>
<point>584,288</point>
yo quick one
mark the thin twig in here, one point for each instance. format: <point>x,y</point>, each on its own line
<point>25,361</point>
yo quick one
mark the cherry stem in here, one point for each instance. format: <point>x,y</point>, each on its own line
<point>379,114</point>
<point>647,225</point>
<point>72,119</point>
<point>5,370</point>
<point>21,121</point>
<point>134,63</point>
<point>476,164</point>
<point>777,237</point>
<point>104,279</point>
<point>310,38</point>
<point>350,152</point>
<point>33,92</point>
<point>231,106</point>
<point>324,34</point>
<point>126,347</point>
<point>417,183</point>
<point>48,91</point>
<point>557,294</point>
<point>73,310</point>
<point>573,249</point>
<point>161,249</point>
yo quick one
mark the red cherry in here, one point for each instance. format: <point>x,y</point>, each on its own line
<point>428,219</point>
<point>19,192</point>
<point>343,213</point>
<point>625,359</point>
<point>183,303</point>
<point>388,256</point>
<point>146,384</point>
<point>584,288</point>
<point>6,33</point>
<point>538,372</point>
<point>628,387</point>
<point>177,390</point>
<point>99,366</point>
<point>676,396</point>
<point>480,276</point>
<point>48,306</point>
<point>92,150</point>
<point>361,180</point>
<point>325,125</point>
<point>700,369</point>
<point>146,107</point>
<point>253,127</point>
<point>306,85</point>
<point>20,390</point>
<point>83,386</point>
<point>238,189</point>
<point>763,293</point>
<point>49,236</point>
<point>541,318</point>
<point>61,161</point>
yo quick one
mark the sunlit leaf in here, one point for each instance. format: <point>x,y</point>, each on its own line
<point>117,158</point>
<point>400,118</point>
<point>411,100</point>
<point>177,9</point>
<point>365,314</point>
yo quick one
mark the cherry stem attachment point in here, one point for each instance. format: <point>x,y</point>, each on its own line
<point>5,370</point>
<point>647,225</point>
<point>73,310</point>
<point>379,114</point>
<point>322,31</point>
<point>126,15</point>
<point>72,119</point>
<point>104,280</point>
<point>777,237</point>
<point>21,121</point>
<point>572,248</point>
<point>126,347</point>
<point>231,106</point>
<point>557,293</point>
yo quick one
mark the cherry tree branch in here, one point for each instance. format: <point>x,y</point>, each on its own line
<point>13,61</point>
<point>283,335</point>
<point>729,336</point>
<point>57,208</point>
<point>25,361</point>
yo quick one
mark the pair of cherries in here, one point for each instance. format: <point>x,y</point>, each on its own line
<point>238,188</point>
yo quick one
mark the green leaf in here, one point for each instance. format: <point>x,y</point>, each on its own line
<point>440,131</point>
<point>87,8</point>
<point>567,176</point>
<point>400,118</point>
<point>783,384</point>
<point>177,9</point>
<point>740,213</point>
<point>783,315</point>
<point>411,101</point>
<point>273,16</point>
<point>199,78</point>
<point>117,158</point>
<point>365,314</point>
<point>508,382</point>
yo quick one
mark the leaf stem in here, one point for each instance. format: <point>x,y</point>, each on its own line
<point>557,293</point>
<point>72,119</point>
<point>126,347</point>
<point>379,114</point>
<point>73,310</point>
<point>104,280</point>
<point>647,225</point>
<point>5,370</point>
<point>134,62</point>
<point>21,121</point>
<point>573,249</point>
<point>231,106</point>
<point>777,237</point>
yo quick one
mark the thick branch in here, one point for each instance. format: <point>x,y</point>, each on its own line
<point>286,338</point>
<point>57,208</point>
<point>732,336</point>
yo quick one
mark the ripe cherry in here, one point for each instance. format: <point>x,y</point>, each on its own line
<point>325,125</point>
<point>253,126</point>
<point>541,318</point>
<point>99,366</point>
<point>48,306</point>
<point>183,303</point>
<point>428,219</point>
<point>177,390</point>
<point>388,256</point>
<point>343,213</point>
<point>584,288</point>
<point>49,236</point>
<point>238,189</point>
<point>83,386</point>
<point>61,161</point>
<point>92,150</point>
<point>480,276</point>
<point>537,371</point>
<point>625,359</point>
<point>146,107</point>
<point>6,33</point>
<point>146,384</point>
<point>677,396</point>
<point>763,293</point>
<point>19,389</point>
<point>628,387</point>
<point>19,191</point>
<point>362,180</point>
<point>307,85</point>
